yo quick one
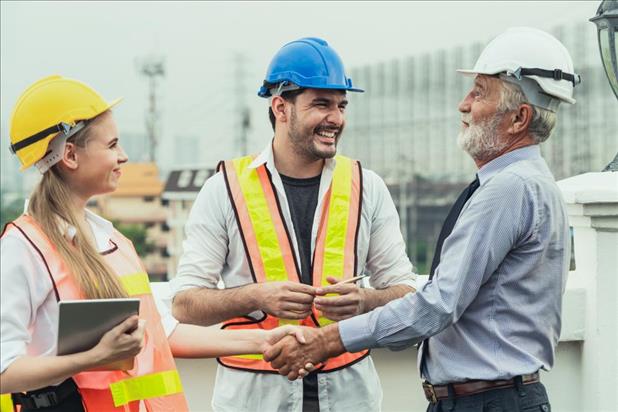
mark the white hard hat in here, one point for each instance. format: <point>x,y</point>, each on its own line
<point>533,59</point>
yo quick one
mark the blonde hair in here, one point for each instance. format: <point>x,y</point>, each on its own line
<point>51,205</point>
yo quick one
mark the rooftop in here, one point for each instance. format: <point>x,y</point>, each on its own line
<point>139,179</point>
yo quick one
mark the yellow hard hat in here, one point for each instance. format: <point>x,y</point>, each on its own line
<point>51,106</point>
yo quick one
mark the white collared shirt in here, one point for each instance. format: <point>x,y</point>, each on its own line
<point>213,252</point>
<point>28,308</point>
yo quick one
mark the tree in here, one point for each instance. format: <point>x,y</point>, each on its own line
<point>138,235</point>
<point>10,210</point>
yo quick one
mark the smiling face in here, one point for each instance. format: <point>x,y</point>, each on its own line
<point>98,161</point>
<point>316,122</point>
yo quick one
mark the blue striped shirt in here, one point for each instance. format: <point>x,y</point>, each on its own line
<point>493,307</point>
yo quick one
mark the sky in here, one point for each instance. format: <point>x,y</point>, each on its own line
<point>102,44</point>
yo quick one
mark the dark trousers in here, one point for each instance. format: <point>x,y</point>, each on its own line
<point>522,398</point>
<point>311,401</point>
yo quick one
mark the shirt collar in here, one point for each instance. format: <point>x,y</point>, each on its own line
<point>499,163</point>
<point>102,230</point>
<point>105,225</point>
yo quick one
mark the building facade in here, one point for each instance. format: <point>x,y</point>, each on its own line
<point>405,128</point>
<point>181,189</point>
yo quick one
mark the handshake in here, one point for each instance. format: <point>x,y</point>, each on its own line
<point>293,350</point>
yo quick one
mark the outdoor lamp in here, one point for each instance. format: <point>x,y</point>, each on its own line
<point>607,27</point>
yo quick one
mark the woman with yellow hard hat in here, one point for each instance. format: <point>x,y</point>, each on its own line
<point>58,250</point>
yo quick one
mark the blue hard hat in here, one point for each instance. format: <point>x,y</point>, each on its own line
<point>306,63</point>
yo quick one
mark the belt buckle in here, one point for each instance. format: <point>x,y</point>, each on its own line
<point>430,393</point>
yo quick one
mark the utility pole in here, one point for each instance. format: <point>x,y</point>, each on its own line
<point>240,97</point>
<point>152,67</point>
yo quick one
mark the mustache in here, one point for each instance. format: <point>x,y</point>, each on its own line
<point>327,128</point>
<point>466,118</point>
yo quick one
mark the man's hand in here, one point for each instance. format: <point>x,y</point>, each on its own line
<point>273,336</point>
<point>285,300</point>
<point>292,358</point>
<point>350,301</point>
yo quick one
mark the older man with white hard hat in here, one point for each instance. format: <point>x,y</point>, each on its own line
<point>489,317</point>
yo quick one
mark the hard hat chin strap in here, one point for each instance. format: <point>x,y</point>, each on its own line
<point>55,149</point>
<point>555,74</point>
<point>283,87</point>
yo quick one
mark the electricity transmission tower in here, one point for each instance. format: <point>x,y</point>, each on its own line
<point>153,68</point>
<point>242,110</point>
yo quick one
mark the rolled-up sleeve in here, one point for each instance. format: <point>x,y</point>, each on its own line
<point>494,220</point>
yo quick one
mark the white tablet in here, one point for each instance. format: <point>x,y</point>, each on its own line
<point>82,323</point>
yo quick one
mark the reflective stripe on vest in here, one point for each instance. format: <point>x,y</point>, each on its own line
<point>145,387</point>
<point>136,284</point>
<point>268,246</point>
<point>6,403</point>
<point>154,379</point>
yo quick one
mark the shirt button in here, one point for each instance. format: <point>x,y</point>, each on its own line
<point>545,408</point>
<point>323,381</point>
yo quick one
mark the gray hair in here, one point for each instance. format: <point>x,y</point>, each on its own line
<point>543,120</point>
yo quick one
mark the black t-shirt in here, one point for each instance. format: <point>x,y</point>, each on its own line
<point>302,195</point>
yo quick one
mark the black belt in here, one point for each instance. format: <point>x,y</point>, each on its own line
<point>46,397</point>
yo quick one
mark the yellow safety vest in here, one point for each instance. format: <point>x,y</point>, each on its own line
<point>269,250</point>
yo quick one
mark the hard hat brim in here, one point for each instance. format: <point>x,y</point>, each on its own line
<point>113,103</point>
<point>472,72</point>
<point>265,92</point>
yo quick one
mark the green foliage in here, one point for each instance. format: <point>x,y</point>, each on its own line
<point>422,265</point>
<point>138,235</point>
<point>10,210</point>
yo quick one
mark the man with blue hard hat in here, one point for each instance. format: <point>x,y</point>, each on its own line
<point>283,231</point>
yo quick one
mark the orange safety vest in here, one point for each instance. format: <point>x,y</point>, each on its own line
<point>269,250</point>
<point>154,380</point>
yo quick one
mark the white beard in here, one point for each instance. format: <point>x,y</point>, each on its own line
<point>480,140</point>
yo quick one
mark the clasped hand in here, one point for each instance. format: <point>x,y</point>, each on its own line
<point>339,301</point>
<point>296,353</point>
<point>292,300</point>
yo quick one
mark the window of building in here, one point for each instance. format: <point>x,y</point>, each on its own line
<point>185,178</point>
<point>200,177</point>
